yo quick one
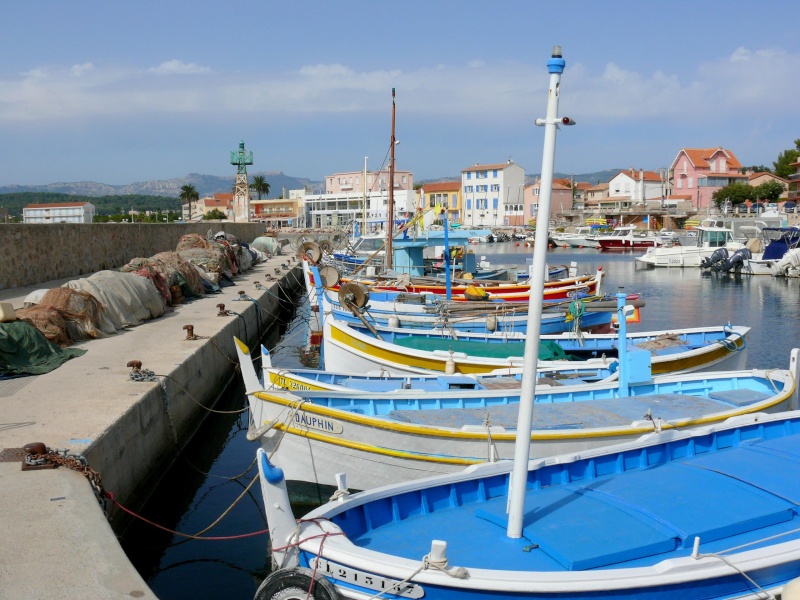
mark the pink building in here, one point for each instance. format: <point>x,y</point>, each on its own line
<point>560,199</point>
<point>699,172</point>
<point>353,182</point>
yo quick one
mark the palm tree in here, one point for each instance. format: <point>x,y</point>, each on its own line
<point>189,193</point>
<point>260,186</point>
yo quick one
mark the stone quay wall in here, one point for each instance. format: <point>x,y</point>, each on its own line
<point>33,253</point>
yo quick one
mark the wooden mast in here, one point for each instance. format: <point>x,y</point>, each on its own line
<point>390,218</point>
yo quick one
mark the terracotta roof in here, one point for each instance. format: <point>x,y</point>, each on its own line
<point>221,196</point>
<point>583,185</point>
<point>752,176</point>
<point>498,167</point>
<point>442,186</point>
<point>58,205</point>
<point>701,156</point>
<point>647,175</point>
<point>212,202</point>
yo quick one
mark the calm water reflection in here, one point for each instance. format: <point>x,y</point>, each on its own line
<point>189,500</point>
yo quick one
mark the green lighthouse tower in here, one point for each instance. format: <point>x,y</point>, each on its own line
<point>241,192</point>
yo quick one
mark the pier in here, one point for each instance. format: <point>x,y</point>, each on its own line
<point>59,539</point>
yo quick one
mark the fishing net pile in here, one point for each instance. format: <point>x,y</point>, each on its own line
<point>267,245</point>
<point>65,315</point>
<point>214,260</point>
<point>180,276</point>
<point>143,289</point>
<point>129,299</point>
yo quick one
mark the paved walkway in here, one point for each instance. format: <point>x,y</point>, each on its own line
<point>56,541</point>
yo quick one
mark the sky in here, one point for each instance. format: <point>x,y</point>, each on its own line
<point>120,92</point>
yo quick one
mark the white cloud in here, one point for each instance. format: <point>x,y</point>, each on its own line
<point>176,67</point>
<point>742,83</point>
<point>78,70</point>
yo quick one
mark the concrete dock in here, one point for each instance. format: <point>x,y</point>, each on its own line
<point>57,540</point>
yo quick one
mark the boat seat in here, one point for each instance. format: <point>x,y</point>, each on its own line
<point>741,397</point>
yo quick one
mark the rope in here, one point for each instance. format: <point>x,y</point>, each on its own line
<point>112,498</point>
<point>575,312</point>
<point>761,590</point>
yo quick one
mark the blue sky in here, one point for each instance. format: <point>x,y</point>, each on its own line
<point>118,92</point>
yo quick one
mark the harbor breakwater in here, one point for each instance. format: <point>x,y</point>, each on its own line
<point>35,253</point>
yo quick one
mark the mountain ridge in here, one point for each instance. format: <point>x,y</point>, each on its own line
<point>206,185</point>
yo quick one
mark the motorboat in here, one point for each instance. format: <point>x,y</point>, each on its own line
<point>581,237</point>
<point>628,237</point>
<point>710,238</point>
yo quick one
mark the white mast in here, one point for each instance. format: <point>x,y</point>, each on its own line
<point>522,449</point>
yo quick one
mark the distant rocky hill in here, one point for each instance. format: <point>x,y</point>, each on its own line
<point>206,185</point>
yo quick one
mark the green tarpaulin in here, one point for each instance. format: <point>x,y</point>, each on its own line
<point>25,351</point>
<point>548,350</point>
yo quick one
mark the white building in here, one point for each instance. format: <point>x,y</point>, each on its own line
<point>491,193</point>
<point>59,212</point>
<point>342,209</point>
<point>636,187</point>
<point>343,202</point>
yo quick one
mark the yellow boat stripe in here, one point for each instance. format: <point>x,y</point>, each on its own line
<point>345,443</point>
<point>660,365</point>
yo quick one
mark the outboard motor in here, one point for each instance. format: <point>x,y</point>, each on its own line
<point>790,260</point>
<point>719,255</point>
<point>736,261</point>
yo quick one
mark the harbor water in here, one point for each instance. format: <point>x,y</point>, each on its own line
<point>188,550</point>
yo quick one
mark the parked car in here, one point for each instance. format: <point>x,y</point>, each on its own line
<point>741,208</point>
<point>757,207</point>
<point>789,207</point>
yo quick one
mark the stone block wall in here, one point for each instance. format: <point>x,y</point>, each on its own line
<point>33,253</point>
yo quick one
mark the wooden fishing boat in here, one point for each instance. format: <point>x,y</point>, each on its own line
<point>706,513</point>
<point>558,289</point>
<point>403,351</point>
<point>354,303</point>
<point>388,435</point>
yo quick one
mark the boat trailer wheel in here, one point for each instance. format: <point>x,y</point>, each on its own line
<point>293,584</point>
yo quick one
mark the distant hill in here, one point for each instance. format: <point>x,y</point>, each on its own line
<point>206,185</point>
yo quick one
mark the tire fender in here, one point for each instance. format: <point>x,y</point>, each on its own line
<point>294,584</point>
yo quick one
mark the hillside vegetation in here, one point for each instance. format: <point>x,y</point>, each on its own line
<point>105,205</point>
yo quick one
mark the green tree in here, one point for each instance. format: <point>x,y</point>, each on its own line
<point>735,192</point>
<point>260,186</point>
<point>214,214</point>
<point>769,191</point>
<point>755,169</point>
<point>785,159</point>
<point>189,194</point>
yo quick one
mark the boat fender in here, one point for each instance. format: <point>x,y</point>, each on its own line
<point>394,321</point>
<point>298,583</point>
<point>791,591</point>
<point>450,365</point>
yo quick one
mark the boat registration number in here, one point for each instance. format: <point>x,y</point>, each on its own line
<point>368,580</point>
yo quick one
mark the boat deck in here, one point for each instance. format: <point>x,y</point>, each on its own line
<point>613,412</point>
<point>635,513</point>
<point>558,406</point>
